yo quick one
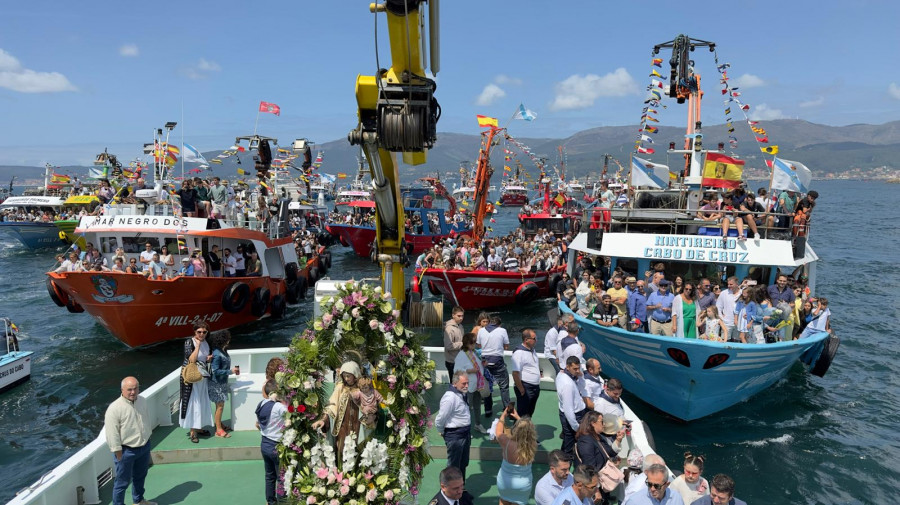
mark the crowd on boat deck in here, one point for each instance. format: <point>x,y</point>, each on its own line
<point>413,223</point>
<point>758,212</point>
<point>22,215</point>
<point>597,445</point>
<point>510,253</point>
<point>661,303</point>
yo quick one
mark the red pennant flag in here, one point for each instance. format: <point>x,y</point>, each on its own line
<point>270,108</point>
<point>764,140</point>
<point>646,150</point>
<point>745,107</point>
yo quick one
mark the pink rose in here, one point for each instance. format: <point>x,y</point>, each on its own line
<point>373,324</point>
<point>334,502</point>
<point>355,312</point>
<point>327,319</point>
<point>344,490</point>
<point>396,314</point>
<point>331,478</point>
<point>310,500</point>
<point>371,494</point>
<point>322,473</point>
<point>389,495</point>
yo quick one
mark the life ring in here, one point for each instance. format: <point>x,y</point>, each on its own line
<point>527,292</point>
<point>74,307</point>
<point>290,271</point>
<point>260,301</point>
<point>59,297</point>
<point>554,282</point>
<point>235,297</point>
<point>600,218</point>
<point>292,292</point>
<point>826,357</point>
<point>278,307</point>
<point>432,288</point>
<point>62,236</point>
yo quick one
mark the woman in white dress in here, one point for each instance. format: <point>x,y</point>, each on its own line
<point>196,411</point>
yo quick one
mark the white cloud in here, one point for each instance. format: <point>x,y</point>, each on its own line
<point>748,81</point>
<point>763,112</point>
<point>813,103</point>
<point>201,70</point>
<point>580,91</point>
<point>490,94</point>
<point>129,51</point>
<point>894,90</point>
<point>505,79</point>
<point>17,78</point>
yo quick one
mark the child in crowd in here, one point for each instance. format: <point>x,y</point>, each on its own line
<point>711,326</point>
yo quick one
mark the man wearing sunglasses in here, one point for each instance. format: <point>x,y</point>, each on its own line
<point>658,492</point>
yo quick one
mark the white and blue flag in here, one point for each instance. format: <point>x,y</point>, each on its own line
<point>791,176</point>
<point>526,114</point>
<point>192,155</point>
<point>647,173</point>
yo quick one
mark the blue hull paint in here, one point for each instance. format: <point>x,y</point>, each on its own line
<point>643,363</point>
<point>34,235</point>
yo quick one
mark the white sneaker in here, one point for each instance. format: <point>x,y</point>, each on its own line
<point>756,236</point>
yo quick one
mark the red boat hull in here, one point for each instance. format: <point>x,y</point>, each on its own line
<point>142,312</point>
<point>361,238</point>
<point>513,199</point>
<point>483,290</point>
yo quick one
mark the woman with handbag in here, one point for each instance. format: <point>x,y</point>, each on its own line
<point>478,388</point>
<point>219,370</point>
<point>195,405</point>
<point>593,447</point>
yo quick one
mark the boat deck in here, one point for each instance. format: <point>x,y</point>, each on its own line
<point>230,470</point>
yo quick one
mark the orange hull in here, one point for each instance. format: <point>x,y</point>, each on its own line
<point>142,312</point>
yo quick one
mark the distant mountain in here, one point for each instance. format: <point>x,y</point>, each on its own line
<point>825,149</point>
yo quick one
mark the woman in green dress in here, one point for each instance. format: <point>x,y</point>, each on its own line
<point>684,313</point>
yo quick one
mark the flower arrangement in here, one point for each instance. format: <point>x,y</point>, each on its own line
<point>387,463</point>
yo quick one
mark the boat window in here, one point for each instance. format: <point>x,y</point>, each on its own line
<point>629,266</point>
<point>171,244</point>
<point>134,245</point>
<point>108,245</point>
<point>760,274</point>
<point>693,271</point>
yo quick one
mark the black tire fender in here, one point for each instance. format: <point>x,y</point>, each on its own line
<point>433,289</point>
<point>260,301</point>
<point>58,296</point>
<point>302,286</point>
<point>235,297</point>
<point>313,274</point>
<point>278,306</point>
<point>554,282</point>
<point>290,271</point>
<point>527,292</point>
<point>292,292</point>
<point>826,357</point>
<point>73,306</point>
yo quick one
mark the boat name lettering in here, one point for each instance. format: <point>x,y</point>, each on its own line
<point>172,222</point>
<point>487,291</point>
<point>696,249</point>
<point>11,370</point>
<point>188,320</point>
<point>618,364</point>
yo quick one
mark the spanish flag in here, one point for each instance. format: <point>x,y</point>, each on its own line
<point>486,122</point>
<point>722,171</point>
<point>769,149</point>
<point>560,200</point>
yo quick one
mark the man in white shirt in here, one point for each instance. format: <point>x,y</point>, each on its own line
<point>550,341</point>
<point>526,374</point>
<point>555,480</point>
<point>571,402</point>
<point>569,345</point>
<point>725,305</point>
<point>127,423</point>
<point>147,254</point>
<point>594,385</point>
<point>229,263</point>
<point>454,422</point>
<point>493,340</point>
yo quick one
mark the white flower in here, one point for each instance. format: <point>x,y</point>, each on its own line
<point>305,438</point>
<point>307,384</point>
<point>352,481</point>
<point>404,393</point>
<point>412,354</point>
<point>287,422</point>
<point>428,384</point>
<point>404,432</point>
<point>361,488</point>
<point>377,290</point>
<point>340,305</point>
<point>331,493</point>
<point>389,423</point>
<point>289,436</point>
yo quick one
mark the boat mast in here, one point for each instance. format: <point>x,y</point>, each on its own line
<point>483,173</point>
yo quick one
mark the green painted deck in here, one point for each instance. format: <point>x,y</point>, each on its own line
<point>230,471</point>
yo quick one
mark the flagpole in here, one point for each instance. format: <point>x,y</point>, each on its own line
<point>257,121</point>
<point>182,138</point>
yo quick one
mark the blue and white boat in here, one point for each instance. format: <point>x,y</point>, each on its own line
<point>33,234</point>
<point>15,365</point>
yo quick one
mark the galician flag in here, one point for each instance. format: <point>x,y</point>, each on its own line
<point>526,114</point>
<point>192,155</point>
<point>647,173</point>
<point>791,175</point>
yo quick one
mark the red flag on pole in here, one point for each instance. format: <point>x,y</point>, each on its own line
<point>270,107</point>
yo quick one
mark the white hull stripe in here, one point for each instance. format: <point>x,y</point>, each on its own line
<point>650,358</point>
<point>624,340</point>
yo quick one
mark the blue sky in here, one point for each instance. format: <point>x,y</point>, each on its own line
<point>76,77</point>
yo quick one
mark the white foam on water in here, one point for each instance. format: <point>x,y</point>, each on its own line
<point>783,439</point>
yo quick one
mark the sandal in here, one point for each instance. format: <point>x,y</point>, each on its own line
<point>203,433</point>
<point>194,438</point>
<point>223,434</point>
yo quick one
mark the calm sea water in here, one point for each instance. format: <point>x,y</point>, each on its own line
<point>805,440</point>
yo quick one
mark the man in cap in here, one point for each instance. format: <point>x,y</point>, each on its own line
<point>186,270</point>
<point>660,305</point>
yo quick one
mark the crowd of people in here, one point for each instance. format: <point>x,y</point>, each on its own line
<point>510,253</point>
<point>670,305</point>
<point>598,462</point>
